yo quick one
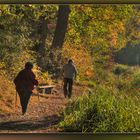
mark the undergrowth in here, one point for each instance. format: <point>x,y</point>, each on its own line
<point>111,105</point>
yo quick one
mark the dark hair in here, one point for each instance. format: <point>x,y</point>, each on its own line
<point>70,61</point>
<point>28,65</point>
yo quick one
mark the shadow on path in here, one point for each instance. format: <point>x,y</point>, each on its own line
<point>30,125</point>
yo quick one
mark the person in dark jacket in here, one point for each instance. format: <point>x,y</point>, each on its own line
<point>69,72</point>
<point>24,82</point>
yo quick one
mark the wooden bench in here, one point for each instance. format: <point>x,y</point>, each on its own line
<point>45,89</point>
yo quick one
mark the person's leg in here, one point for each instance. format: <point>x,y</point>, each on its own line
<point>65,87</point>
<point>23,104</point>
<point>70,87</point>
<point>27,98</point>
<point>22,99</point>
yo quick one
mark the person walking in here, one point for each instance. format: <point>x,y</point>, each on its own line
<point>24,82</point>
<point>69,73</point>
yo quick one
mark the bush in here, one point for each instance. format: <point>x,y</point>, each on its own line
<point>121,70</point>
<point>102,111</point>
<point>136,80</point>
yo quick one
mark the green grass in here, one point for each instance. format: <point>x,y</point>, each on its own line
<point>102,110</point>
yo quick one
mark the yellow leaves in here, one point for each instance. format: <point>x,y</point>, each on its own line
<point>117,27</point>
<point>108,14</point>
<point>7,92</point>
<point>114,38</point>
<point>2,65</point>
<point>36,70</point>
<point>32,6</point>
<point>115,30</point>
<point>42,77</point>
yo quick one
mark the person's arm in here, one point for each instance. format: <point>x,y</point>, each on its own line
<point>33,77</point>
<point>75,72</point>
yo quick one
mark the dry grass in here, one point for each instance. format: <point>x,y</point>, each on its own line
<point>7,94</point>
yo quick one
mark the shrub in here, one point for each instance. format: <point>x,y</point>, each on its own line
<point>121,70</point>
<point>136,80</point>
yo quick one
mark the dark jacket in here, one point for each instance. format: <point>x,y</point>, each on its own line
<point>25,80</point>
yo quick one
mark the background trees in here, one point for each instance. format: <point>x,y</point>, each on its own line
<point>35,29</point>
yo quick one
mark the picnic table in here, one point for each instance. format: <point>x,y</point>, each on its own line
<point>45,89</point>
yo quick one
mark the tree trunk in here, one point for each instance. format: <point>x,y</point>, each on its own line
<point>43,29</point>
<point>61,26</point>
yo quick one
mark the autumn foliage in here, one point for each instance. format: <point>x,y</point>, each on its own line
<point>81,58</point>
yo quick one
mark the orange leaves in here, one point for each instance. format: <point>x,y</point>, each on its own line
<point>81,58</point>
<point>89,73</point>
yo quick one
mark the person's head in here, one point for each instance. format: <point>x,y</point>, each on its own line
<point>28,65</point>
<point>70,61</point>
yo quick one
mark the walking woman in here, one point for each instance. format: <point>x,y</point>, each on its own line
<point>24,82</point>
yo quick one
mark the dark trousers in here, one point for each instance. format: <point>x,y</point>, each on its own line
<point>24,96</point>
<point>68,87</point>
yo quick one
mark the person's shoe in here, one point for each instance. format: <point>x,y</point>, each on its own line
<point>69,97</point>
<point>23,113</point>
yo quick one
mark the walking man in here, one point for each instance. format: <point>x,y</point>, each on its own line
<point>24,82</point>
<point>69,73</point>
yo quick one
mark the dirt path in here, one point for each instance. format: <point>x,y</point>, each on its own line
<point>42,115</point>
